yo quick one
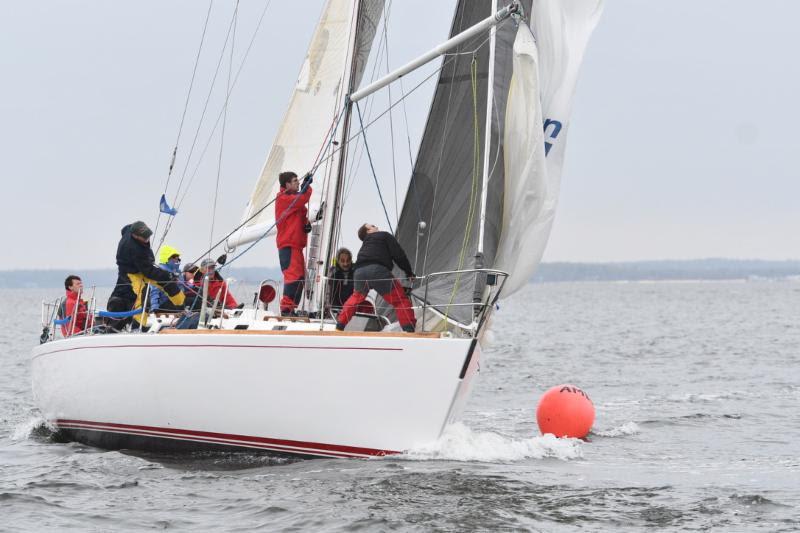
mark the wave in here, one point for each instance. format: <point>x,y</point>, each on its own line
<point>708,397</point>
<point>34,426</point>
<point>628,428</point>
<point>460,443</point>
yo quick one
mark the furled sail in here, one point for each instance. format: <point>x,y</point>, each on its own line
<point>538,110</point>
<point>315,106</point>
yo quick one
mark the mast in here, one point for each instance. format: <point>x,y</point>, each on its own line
<point>335,210</point>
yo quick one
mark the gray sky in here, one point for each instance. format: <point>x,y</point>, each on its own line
<point>683,140</point>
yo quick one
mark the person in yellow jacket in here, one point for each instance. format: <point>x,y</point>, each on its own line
<point>136,268</point>
<point>169,259</point>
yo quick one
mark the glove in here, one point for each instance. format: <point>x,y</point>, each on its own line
<point>221,259</point>
<point>308,179</point>
<point>307,227</point>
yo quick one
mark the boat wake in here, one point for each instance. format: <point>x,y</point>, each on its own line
<point>460,443</point>
<point>628,428</point>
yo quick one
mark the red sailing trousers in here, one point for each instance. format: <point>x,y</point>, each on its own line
<point>396,298</point>
<point>294,276</point>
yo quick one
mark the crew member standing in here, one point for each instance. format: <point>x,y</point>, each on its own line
<point>291,219</point>
<point>374,271</point>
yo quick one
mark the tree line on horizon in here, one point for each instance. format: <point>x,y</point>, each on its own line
<point>663,270</point>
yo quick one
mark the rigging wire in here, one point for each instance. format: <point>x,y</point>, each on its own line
<point>185,107</point>
<point>224,121</point>
<point>475,188</point>
<point>325,145</point>
<point>219,115</point>
<point>455,56</point>
<point>372,167</point>
<point>199,125</point>
<point>448,58</point>
<point>391,121</point>
<point>317,164</point>
<point>358,150</point>
<point>179,202</point>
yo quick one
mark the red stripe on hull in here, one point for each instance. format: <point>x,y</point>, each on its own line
<point>221,346</point>
<point>280,445</point>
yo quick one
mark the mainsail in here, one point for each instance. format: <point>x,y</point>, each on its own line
<point>338,53</point>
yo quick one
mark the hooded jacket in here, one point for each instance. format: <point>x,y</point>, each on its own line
<point>291,215</point>
<point>134,257</point>
<point>158,299</point>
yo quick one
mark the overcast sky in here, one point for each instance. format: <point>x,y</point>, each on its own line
<point>684,138</point>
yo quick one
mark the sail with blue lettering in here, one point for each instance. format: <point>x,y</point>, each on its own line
<point>545,72</point>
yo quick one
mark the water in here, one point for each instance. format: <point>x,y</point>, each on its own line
<point>697,392</point>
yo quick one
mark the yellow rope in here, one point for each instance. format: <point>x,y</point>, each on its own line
<point>476,156</point>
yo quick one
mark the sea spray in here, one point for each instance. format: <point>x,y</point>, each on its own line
<point>460,443</point>
<point>628,428</point>
<point>26,428</point>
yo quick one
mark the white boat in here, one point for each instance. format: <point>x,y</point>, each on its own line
<point>254,380</point>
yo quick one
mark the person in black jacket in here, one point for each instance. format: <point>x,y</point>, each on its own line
<point>340,279</point>
<point>376,258</point>
<point>135,269</point>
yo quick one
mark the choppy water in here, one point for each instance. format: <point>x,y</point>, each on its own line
<point>697,390</point>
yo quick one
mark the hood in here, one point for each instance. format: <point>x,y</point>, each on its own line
<point>166,252</point>
<point>126,229</point>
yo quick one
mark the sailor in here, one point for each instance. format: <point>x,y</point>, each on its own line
<point>217,287</point>
<point>374,271</point>
<point>135,269</point>
<point>340,279</point>
<point>291,219</point>
<point>75,308</point>
<point>169,259</point>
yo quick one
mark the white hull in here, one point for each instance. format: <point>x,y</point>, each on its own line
<point>306,393</point>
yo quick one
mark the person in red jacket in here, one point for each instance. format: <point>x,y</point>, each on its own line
<point>291,220</point>
<point>217,288</point>
<point>75,308</point>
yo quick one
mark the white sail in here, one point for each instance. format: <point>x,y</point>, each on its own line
<point>317,99</point>
<point>537,121</point>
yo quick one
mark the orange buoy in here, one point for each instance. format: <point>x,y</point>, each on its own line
<point>565,411</point>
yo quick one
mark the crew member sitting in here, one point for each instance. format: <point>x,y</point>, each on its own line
<point>169,259</point>
<point>216,284</point>
<point>340,279</point>
<point>75,308</point>
<point>374,271</point>
<point>340,283</point>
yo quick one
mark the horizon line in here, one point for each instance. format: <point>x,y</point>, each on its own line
<point>571,262</point>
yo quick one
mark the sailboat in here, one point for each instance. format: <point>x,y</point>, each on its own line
<point>475,221</point>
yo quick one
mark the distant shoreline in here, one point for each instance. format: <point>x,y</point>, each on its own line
<point>631,271</point>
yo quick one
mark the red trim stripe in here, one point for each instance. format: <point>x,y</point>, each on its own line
<point>280,445</point>
<point>106,346</point>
